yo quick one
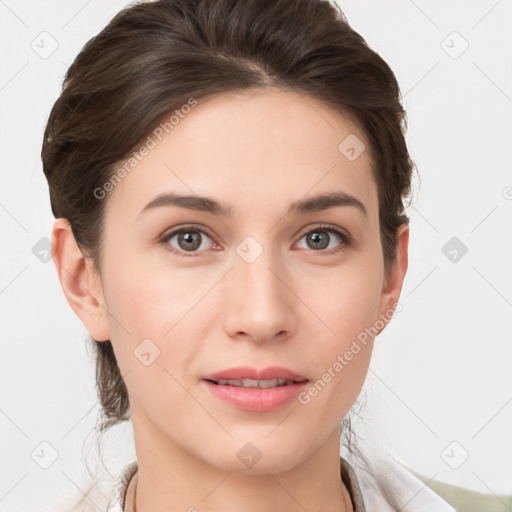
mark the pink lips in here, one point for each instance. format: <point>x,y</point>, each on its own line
<point>246,372</point>
<point>256,399</point>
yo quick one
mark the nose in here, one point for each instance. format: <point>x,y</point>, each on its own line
<point>260,303</point>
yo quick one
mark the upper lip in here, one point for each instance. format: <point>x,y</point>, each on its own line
<point>246,372</point>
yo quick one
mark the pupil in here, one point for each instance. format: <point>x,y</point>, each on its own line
<point>192,238</point>
<point>316,239</point>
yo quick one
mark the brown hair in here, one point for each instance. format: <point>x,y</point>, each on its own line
<point>152,57</point>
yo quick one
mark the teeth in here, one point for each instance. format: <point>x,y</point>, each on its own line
<point>250,383</point>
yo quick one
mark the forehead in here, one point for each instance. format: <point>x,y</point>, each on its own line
<point>253,149</point>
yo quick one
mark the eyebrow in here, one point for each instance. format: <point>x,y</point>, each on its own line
<point>316,203</point>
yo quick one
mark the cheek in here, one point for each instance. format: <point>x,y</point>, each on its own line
<point>151,317</point>
<point>341,357</point>
<point>146,300</point>
<point>348,300</point>
<point>145,333</point>
<point>347,306</point>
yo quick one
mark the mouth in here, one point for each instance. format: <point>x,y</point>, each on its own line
<point>258,390</point>
<point>252,383</point>
<point>246,376</point>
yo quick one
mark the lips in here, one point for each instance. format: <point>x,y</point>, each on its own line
<point>251,383</point>
<point>246,372</point>
<point>250,389</point>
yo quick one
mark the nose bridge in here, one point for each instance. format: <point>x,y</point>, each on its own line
<point>259,303</point>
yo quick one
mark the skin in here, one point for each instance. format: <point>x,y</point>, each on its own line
<point>293,306</point>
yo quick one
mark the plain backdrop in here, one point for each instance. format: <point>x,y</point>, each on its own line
<point>439,391</point>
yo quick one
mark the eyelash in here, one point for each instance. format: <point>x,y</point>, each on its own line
<point>346,240</point>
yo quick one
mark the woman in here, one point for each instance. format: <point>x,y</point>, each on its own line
<point>228,179</point>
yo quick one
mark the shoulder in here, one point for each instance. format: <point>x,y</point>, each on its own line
<point>388,486</point>
<point>466,500</point>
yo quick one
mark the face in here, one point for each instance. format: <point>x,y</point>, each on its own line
<point>191,292</point>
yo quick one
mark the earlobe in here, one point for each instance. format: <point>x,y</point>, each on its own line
<point>394,280</point>
<point>79,281</point>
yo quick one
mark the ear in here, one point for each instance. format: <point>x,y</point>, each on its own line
<point>394,280</point>
<point>80,281</point>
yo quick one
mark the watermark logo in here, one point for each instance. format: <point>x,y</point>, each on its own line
<point>454,45</point>
<point>249,454</point>
<point>351,147</point>
<point>146,352</point>
<point>455,455</point>
<point>42,250</point>
<point>45,45</point>
<point>454,249</point>
<point>44,454</point>
<point>249,249</point>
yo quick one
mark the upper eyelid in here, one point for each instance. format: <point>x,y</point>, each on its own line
<point>191,227</point>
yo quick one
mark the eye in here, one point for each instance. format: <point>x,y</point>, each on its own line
<point>190,239</point>
<point>319,239</point>
<point>193,240</point>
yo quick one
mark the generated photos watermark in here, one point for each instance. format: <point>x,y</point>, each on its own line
<point>151,143</point>
<point>343,359</point>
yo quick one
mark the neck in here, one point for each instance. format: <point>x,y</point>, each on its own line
<point>172,479</point>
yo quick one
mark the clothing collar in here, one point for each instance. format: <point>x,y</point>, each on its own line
<point>387,485</point>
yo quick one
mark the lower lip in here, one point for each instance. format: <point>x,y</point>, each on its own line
<point>256,399</point>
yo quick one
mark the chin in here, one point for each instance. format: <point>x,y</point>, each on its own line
<point>255,455</point>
